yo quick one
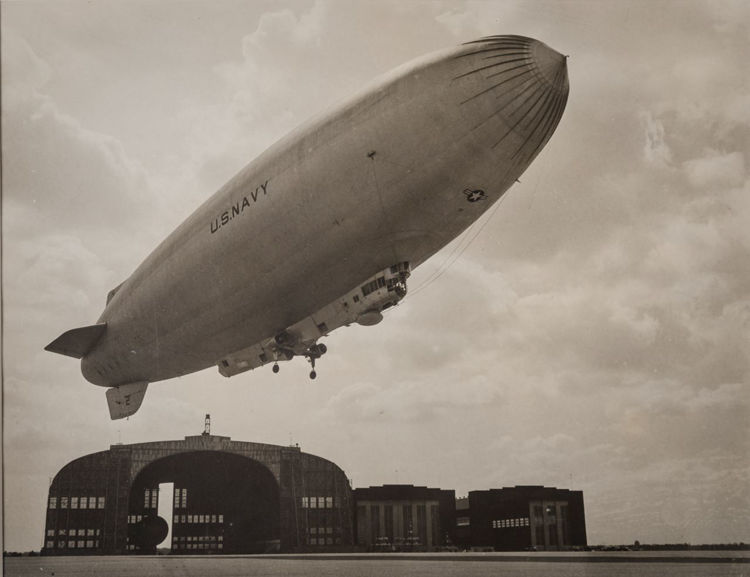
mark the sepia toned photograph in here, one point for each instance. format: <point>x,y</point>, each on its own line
<point>328,287</point>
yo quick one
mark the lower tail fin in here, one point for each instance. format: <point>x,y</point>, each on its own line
<point>125,400</point>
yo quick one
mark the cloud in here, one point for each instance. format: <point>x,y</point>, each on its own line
<point>656,150</point>
<point>716,170</point>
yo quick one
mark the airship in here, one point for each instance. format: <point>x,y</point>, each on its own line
<point>324,228</point>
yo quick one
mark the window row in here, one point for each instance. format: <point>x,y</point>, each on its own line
<point>75,532</point>
<point>74,544</point>
<point>373,285</point>
<point>321,530</point>
<point>506,523</point>
<point>198,518</point>
<point>77,502</point>
<point>317,502</point>
<point>323,541</point>
<point>201,546</point>
<point>198,538</point>
<point>134,518</point>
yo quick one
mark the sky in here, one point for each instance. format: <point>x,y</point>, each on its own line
<point>592,333</point>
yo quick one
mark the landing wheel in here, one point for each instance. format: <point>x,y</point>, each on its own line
<point>276,367</point>
<point>313,374</point>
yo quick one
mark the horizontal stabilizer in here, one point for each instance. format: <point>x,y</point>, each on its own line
<point>78,342</point>
<point>125,400</point>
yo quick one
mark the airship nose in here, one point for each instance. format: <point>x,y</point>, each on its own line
<point>513,91</point>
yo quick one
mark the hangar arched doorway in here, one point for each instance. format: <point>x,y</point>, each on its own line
<point>223,503</point>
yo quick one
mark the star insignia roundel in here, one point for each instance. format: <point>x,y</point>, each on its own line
<point>475,195</point>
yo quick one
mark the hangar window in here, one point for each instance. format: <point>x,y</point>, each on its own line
<point>81,544</point>
<point>151,499</point>
<point>90,544</point>
<point>61,544</point>
<point>74,502</point>
<point>53,502</point>
<point>101,502</point>
<point>61,532</point>
<point>50,532</point>
<point>90,533</point>
<point>84,502</point>
<point>63,502</point>
<point>329,502</point>
<point>71,544</point>
<point>50,544</point>
<point>221,518</point>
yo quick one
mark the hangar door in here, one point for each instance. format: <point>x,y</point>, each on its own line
<point>222,503</point>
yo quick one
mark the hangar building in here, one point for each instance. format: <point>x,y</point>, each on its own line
<point>521,517</point>
<point>228,497</point>
<point>404,517</point>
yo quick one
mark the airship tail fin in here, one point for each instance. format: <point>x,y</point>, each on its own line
<point>78,342</point>
<point>125,400</point>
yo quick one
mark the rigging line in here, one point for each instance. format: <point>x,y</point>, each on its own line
<point>445,264</point>
<point>438,271</point>
<point>454,257</point>
<point>429,279</point>
<point>473,238</point>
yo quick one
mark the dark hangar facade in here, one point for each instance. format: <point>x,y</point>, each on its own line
<point>228,497</point>
<point>231,497</point>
